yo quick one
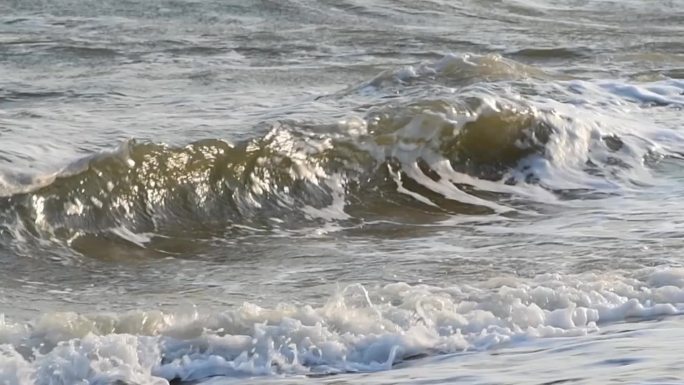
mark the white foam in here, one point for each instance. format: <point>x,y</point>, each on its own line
<point>357,329</point>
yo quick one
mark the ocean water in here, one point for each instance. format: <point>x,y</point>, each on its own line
<point>341,192</point>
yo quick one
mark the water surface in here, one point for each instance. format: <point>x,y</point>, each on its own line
<point>341,191</point>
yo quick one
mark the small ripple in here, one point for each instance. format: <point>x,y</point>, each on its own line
<point>620,361</point>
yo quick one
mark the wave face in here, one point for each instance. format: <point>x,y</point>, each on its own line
<point>485,135</point>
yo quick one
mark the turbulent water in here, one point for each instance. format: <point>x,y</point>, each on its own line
<point>341,192</point>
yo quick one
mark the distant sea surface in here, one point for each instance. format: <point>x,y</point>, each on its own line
<point>341,192</point>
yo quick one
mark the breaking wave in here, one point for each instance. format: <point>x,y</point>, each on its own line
<point>464,135</point>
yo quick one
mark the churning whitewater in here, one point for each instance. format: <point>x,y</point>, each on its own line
<point>347,192</point>
<point>354,331</point>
